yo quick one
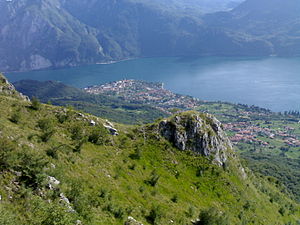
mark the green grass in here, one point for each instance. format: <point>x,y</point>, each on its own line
<point>105,184</point>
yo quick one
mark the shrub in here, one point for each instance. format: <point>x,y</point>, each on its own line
<point>247,205</point>
<point>79,145</point>
<point>81,201</point>
<point>132,166</point>
<point>141,189</point>
<point>35,103</point>
<point>31,165</point>
<point>7,146</point>
<point>61,117</point>
<point>118,171</point>
<point>154,215</point>
<point>136,155</point>
<point>77,131</point>
<point>52,152</point>
<point>174,198</point>
<point>103,193</point>
<point>212,216</point>
<point>282,211</point>
<point>118,212</point>
<point>46,124</point>
<point>56,215</point>
<point>97,135</point>
<point>153,179</point>
<point>16,117</point>
<point>23,160</point>
<point>46,135</point>
<point>199,172</point>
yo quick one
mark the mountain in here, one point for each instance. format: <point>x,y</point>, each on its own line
<point>276,22</point>
<point>59,166</point>
<point>39,34</point>
<point>194,6</point>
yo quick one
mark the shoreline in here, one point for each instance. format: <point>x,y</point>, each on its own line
<point>114,61</point>
<point>110,62</point>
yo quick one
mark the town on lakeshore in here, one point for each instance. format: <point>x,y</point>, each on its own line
<point>239,120</point>
<point>143,92</point>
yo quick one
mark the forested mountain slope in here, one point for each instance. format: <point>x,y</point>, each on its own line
<point>38,34</point>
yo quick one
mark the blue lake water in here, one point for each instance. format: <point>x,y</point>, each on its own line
<point>272,83</point>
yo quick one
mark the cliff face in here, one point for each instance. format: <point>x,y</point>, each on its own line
<point>200,133</point>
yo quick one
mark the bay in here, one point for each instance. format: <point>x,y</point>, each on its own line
<point>271,82</point>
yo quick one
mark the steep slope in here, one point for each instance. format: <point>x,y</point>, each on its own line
<point>277,22</point>
<point>49,34</point>
<point>141,29</point>
<point>41,34</point>
<point>268,141</point>
<point>59,167</point>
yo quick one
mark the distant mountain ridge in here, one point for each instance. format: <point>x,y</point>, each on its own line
<point>39,34</point>
<point>276,22</point>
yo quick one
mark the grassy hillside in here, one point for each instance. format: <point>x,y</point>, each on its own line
<point>55,168</point>
<point>268,141</point>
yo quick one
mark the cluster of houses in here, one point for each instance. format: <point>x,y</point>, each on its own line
<point>154,93</point>
<point>249,133</point>
<point>145,93</point>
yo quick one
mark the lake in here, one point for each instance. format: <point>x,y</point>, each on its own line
<point>272,82</point>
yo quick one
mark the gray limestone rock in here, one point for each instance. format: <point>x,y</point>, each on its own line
<point>7,88</point>
<point>52,182</point>
<point>131,221</point>
<point>197,132</point>
<point>109,126</point>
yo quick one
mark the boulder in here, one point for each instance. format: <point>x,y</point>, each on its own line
<point>52,182</point>
<point>113,131</point>
<point>92,123</point>
<point>131,221</point>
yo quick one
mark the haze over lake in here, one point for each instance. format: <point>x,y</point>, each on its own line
<point>272,83</point>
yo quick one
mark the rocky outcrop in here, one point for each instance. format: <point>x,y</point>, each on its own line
<point>197,132</point>
<point>7,88</point>
<point>110,127</point>
<point>65,201</point>
<point>52,182</point>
